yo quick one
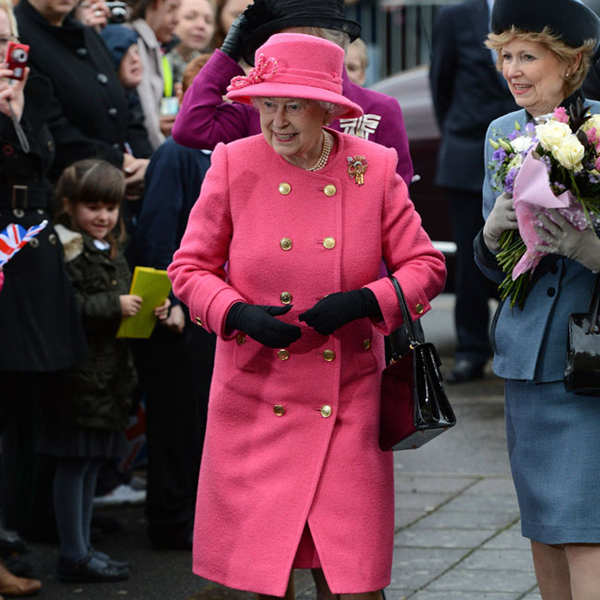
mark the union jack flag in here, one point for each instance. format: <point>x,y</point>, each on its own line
<point>14,237</point>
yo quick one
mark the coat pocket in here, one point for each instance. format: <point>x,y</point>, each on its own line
<point>251,356</point>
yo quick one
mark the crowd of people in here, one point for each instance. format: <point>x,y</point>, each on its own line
<point>225,141</point>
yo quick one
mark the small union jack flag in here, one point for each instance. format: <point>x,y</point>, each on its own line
<point>14,237</point>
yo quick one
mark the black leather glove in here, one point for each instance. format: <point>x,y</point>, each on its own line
<point>259,323</point>
<point>340,308</point>
<point>232,44</point>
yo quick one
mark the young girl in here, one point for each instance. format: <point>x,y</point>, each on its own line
<point>86,426</point>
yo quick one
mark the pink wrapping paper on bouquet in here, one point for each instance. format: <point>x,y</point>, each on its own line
<point>532,194</point>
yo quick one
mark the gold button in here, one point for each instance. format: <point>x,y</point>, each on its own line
<point>34,242</point>
<point>52,239</point>
<point>240,338</point>
<point>285,297</point>
<point>420,309</point>
<point>114,282</point>
<point>326,411</point>
<point>329,243</point>
<point>330,190</point>
<point>284,188</point>
<point>366,344</point>
<point>329,355</point>
<point>283,354</point>
<point>286,244</point>
<point>279,410</point>
<point>198,321</point>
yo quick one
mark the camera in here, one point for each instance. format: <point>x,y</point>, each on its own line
<point>118,11</point>
<point>16,57</point>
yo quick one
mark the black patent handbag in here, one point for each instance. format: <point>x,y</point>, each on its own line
<point>414,405</point>
<point>582,373</point>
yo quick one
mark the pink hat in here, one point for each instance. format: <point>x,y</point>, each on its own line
<point>295,65</point>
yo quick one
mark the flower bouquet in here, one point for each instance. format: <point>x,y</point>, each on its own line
<point>552,165</point>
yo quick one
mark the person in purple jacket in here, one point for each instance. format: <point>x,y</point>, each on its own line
<point>205,119</point>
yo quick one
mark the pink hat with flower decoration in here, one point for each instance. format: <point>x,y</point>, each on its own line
<point>295,65</point>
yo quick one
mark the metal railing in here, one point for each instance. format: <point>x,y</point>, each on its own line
<point>398,35</point>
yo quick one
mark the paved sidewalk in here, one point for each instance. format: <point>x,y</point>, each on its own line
<point>457,531</point>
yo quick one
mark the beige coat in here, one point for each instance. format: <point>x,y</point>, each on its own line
<point>151,88</point>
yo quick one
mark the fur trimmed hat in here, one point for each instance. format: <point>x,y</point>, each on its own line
<point>571,20</point>
<point>266,17</point>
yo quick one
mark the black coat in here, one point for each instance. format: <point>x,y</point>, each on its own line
<point>39,319</point>
<point>467,91</point>
<point>100,388</point>
<point>84,102</point>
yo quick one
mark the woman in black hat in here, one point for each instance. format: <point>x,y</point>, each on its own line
<point>204,119</point>
<point>544,51</point>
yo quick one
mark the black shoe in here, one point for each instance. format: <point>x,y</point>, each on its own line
<point>89,570</point>
<point>11,543</point>
<point>111,562</point>
<point>18,566</point>
<point>465,370</point>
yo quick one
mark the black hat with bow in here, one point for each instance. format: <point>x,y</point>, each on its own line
<point>266,17</point>
<point>570,20</point>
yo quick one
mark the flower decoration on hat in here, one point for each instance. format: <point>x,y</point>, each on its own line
<point>265,69</point>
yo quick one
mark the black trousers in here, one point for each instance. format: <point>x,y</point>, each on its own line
<point>175,372</point>
<point>26,475</point>
<point>472,288</point>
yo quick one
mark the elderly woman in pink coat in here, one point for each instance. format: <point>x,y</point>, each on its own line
<point>292,475</point>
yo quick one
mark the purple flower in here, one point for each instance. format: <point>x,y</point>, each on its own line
<point>530,128</point>
<point>509,182</point>
<point>513,135</point>
<point>499,155</point>
<point>546,160</point>
<point>559,186</point>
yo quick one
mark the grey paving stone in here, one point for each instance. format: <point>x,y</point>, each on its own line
<point>420,536</point>
<point>484,502</point>
<point>510,539</point>
<point>447,519</point>
<point>493,486</point>
<point>462,596</point>
<point>412,482</point>
<point>422,500</point>
<point>415,567</point>
<point>492,559</point>
<point>533,596</point>
<point>466,580</point>
<point>405,516</point>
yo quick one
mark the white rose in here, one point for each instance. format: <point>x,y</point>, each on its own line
<point>521,143</point>
<point>592,123</point>
<point>552,133</point>
<point>569,153</point>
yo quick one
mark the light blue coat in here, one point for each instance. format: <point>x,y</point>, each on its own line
<point>531,344</point>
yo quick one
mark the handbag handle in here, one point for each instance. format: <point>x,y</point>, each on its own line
<point>594,305</point>
<point>415,335</point>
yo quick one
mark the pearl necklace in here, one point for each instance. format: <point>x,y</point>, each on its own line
<point>325,152</point>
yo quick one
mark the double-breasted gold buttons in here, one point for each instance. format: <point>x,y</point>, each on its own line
<point>419,308</point>
<point>279,410</point>
<point>283,354</point>
<point>326,411</point>
<point>366,344</point>
<point>284,188</point>
<point>329,243</point>
<point>329,355</point>
<point>240,339</point>
<point>286,244</point>
<point>330,190</point>
<point>285,297</point>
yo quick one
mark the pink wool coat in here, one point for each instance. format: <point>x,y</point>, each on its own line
<point>292,434</point>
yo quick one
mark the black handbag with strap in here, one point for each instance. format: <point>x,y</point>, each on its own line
<point>582,373</point>
<point>414,405</point>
